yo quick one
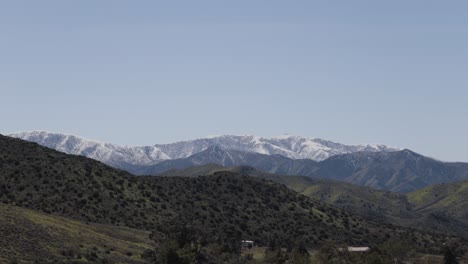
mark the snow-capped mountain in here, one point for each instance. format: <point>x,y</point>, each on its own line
<point>113,155</point>
<point>228,158</point>
<point>293,147</point>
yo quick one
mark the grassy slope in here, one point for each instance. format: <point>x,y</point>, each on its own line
<point>450,197</point>
<point>28,235</point>
<point>444,205</point>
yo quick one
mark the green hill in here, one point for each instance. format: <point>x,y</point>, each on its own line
<point>364,201</point>
<point>440,208</point>
<point>444,203</point>
<point>28,236</point>
<point>449,197</point>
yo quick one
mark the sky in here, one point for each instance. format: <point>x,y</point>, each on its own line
<point>147,72</point>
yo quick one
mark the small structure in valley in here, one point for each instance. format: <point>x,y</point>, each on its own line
<point>356,249</point>
<point>247,244</point>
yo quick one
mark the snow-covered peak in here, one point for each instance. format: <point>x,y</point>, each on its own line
<point>294,147</point>
<point>113,155</point>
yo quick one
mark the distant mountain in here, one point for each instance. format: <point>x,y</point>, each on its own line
<point>398,171</point>
<point>224,157</point>
<point>112,155</point>
<point>123,157</point>
<point>293,147</point>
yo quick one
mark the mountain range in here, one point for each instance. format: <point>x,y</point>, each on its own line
<point>398,171</point>
<point>293,147</point>
<point>375,166</point>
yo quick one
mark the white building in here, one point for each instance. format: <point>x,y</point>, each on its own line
<point>358,249</point>
<point>247,243</point>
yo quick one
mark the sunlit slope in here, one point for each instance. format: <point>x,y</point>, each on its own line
<point>28,236</point>
<point>449,197</point>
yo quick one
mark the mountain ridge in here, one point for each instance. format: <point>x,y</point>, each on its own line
<point>399,171</point>
<point>294,147</point>
<point>225,157</point>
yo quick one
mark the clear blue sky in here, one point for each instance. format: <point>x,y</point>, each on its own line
<point>145,72</point>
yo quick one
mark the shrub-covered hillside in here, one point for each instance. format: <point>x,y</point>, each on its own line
<point>230,204</point>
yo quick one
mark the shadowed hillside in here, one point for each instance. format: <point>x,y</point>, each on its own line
<point>375,204</point>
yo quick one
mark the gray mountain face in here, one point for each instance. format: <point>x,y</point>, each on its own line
<point>400,171</point>
<point>222,157</point>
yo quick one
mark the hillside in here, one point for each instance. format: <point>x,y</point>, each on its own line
<point>28,235</point>
<point>449,197</point>
<point>442,203</point>
<point>376,166</point>
<point>367,202</point>
<point>399,171</point>
<point>439,208</point>
<point>228,203</point>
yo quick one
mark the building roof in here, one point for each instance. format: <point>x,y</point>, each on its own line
<point>358,249</point>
